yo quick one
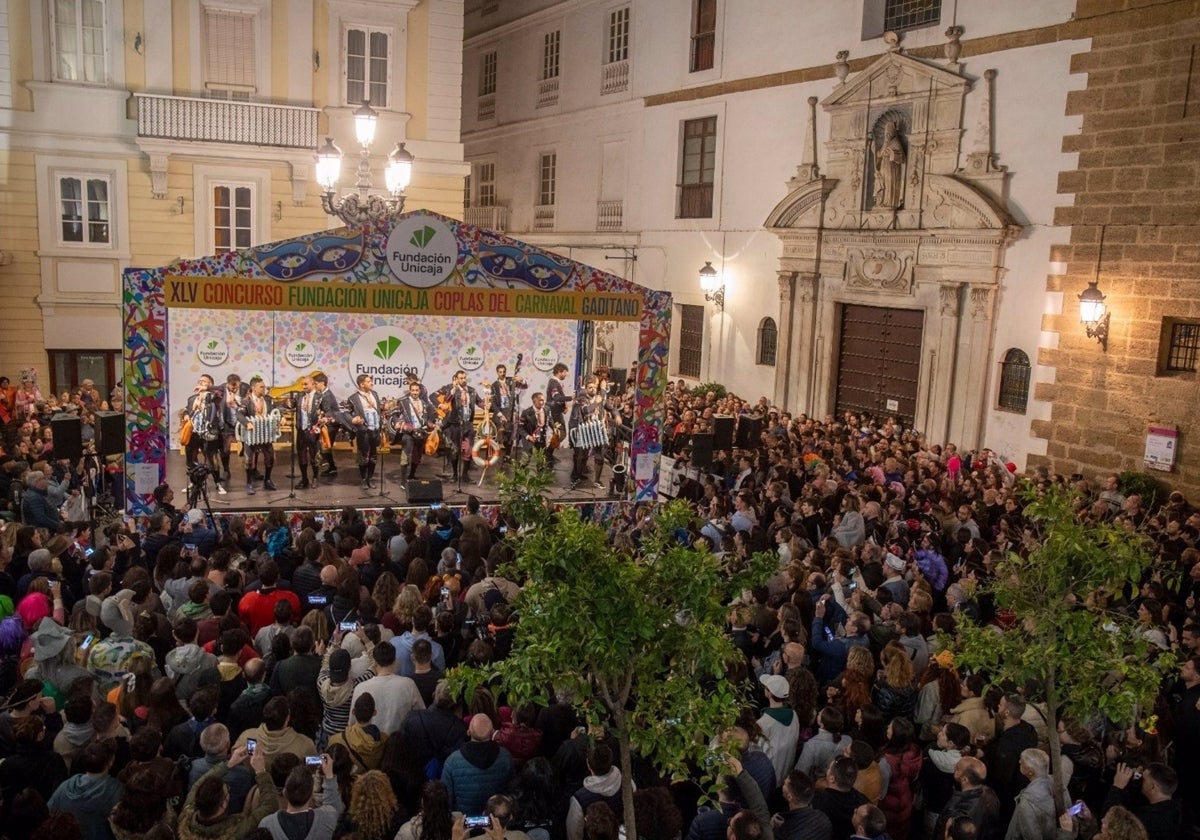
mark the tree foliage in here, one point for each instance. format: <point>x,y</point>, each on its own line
<point>1066,639</point>
<point>639,643</point>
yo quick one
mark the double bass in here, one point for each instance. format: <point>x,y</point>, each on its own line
<point>486,452</point>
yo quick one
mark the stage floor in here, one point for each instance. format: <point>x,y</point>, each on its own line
<point>346,488</point>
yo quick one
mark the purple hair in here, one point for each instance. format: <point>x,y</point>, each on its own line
<point>12,635</point>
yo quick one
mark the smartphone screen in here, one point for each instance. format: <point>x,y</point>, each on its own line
<point>88,552</point>
<point>828,634</point>
<point>503,529</point>
<point>481,821</point>
<point>434,505</point>
<point>251,746</point>
<point>312,760</point>
<point>189,546</point>
<point>87,641</point>
<point>348,626</point>
<point>1076,809</point>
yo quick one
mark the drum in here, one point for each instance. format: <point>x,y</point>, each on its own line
<point>265,430</point>
<point>589,433</point>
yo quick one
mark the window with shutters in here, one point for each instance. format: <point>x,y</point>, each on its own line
<point>618,35</point>
<point>84,211</point>
<point>487,73</point>
<point>77,27</point>
<point>1014,381</point>
<point>698,168</point>
<point>233,217</point>
<point>704,35</point>
<point>768,336</point>
<point>548,164</point>
<point>366,65</point>
<point>466,192</point>
<point>230,54</point>
<point>691,340</point>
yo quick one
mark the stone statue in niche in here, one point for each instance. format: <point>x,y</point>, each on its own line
<point>890,158</point>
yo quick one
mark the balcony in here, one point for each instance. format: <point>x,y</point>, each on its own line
<point>547,92</point>
<point>487,108</point>
<point>610,215</point>
<point>224,121</point>
<point>614,77</point>
<point>490,218</point>
<point>543,217</point>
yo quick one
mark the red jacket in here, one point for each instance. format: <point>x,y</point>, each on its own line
<point>257,609</point>
<point>897,802</point>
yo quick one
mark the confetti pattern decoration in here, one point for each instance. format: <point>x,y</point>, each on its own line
<point>513,264</point>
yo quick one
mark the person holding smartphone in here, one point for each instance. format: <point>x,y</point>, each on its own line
<point>296,816</point>
<point>206,812</point>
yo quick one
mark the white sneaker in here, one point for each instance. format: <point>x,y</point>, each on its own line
<point>220,489</point>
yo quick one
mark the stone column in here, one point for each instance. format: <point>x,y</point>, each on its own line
<point>783,344</point>
<point>937,402</point>
<point>803,360</point>
<point>972,377</point>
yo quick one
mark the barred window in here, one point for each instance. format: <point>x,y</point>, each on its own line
<point>768,336</point>
<point>487,73</point>
<point>618,35</point>
<point>1014,381</point>
<point>547,168</point>
<point>691,340</point>
<point>1179,346</point>
<point>899,15</point>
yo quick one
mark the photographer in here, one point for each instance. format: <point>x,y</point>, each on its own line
<point>1161,815</point>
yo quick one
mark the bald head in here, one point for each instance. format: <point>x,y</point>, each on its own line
<point>481,728</point>
<point>793,654</point>
<point>329,576</point>
<point>970,772</point>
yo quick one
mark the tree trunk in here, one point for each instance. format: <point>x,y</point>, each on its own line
<point>626,777</point>
<point>1056,787</point>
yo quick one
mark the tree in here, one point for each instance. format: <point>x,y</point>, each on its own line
<point>639,642</point>
<point>1086,657</point>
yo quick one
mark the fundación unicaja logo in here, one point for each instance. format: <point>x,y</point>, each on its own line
<point>545,358</point>
<point>387,347</point>
<point>470,357</point>
<point>212,352</point>
<point>300,353</point>
<point>422,251</point>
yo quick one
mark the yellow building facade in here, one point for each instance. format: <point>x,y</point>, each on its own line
<point>137,132</point>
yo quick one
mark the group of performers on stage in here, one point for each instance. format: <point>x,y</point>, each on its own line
<point>593,421</point>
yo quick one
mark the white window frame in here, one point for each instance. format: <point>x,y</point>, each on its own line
<point>205,178</point>
<point>79,55</point>
<point>48,169</point>
<point>368,29</point>
<point>233,227</point>
<point>487,81</point>
<point>616,45</point>
<point>551,55</point>
<point>83,177</point>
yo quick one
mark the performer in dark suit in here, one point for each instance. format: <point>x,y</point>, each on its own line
<point>330,416</point>
<point>231,400</point>
<point>459,422</point>
<point>412,420</point>
<point>254,410</point>
<point>587,405</point>
<point>505,394</point>
<point>308,432</point>
<point>535,424</point>
<point>206,410</point>
<point>365,417</point>
<point>557,400</point>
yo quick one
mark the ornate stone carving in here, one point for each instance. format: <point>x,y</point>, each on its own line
<point>893,74</point>
<point>890,159</point>
<point>953,46</point>
<point>981,302</point>
<point>842,68</point>
<point>948,295</point>
<point>158,175</point>
<point>786,285</point>
<point>885,270</point>
<point>808,171</point>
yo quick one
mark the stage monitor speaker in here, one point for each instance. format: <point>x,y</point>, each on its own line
<point>68,436</point>
<point>722,432</point>
<point>424,490</point>
<point>749,432</point>
<point>702,451</point>
<point>110,433</point>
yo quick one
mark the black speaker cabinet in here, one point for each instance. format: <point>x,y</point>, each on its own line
<point>702,451</point>
<point>68,436</point>
<point>110,433</point>
<point>722,432</point>
<point>424,490</point>
<point>749,432</point>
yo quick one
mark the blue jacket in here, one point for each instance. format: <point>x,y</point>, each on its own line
<point>474,772</point>
<point>833,652</point>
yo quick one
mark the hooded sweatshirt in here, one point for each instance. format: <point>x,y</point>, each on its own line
<point>365,744</point>
<point>606,788</point>
<point>90,799</point>
<point>274,742</point>
<point>474,772</point>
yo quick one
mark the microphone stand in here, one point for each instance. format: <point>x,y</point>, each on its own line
<point>292,458</point>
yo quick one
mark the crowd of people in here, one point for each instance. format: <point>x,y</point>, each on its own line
<point>219,681</point>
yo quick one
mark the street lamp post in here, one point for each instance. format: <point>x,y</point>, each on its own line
<point>362,206</point>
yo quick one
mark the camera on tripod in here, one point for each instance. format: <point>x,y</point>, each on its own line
<point>199,473</point>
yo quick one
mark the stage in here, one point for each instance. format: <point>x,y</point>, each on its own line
<point>345,490</point>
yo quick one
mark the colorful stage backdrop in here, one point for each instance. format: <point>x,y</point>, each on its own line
<point>415,291</point>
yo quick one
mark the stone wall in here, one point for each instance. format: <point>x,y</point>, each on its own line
<point>1137,189</point>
